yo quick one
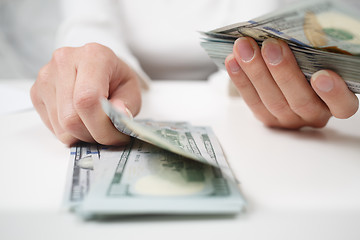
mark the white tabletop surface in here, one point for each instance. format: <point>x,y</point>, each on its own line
<point>298,184</point>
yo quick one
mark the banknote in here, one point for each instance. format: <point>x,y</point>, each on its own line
<point>83,159</point>
<point>145,179</point>
<point>152,176</point>
<point>328,25</point>
<point>175,137</point>
<point>321,34</point>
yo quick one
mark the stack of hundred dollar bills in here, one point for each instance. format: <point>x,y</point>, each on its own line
<point>321,34</point>
<point>167,168</point>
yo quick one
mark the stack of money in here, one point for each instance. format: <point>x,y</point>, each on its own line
<point>167,168</point>
<point>321,34</point>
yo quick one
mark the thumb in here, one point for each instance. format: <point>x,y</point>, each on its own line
<point>332,89</point>
<point>126,96</point>
<point>120,105</point>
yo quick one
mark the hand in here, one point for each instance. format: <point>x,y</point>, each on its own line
<point>67,91</point>
<point>275,89</point>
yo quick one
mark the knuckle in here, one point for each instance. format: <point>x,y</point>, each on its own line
<point>43,74</point>
<point>307,107</point>
<point>70,122</point>
<point>93,46</point>
<point>43,81</point>
<point>257,76</point>
<point>95,50</point>
<point>241,83</point>
<point>284,81</point>
<point>37,100</point>
<point>61,55</point>
<point>85,99</point>
<point>278,107</point>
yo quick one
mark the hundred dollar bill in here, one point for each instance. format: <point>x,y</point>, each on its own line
<point>145,179</point>
<point>83,158</point>
<point>176,137</point>
<point>321,34</point>
<point>167,168</point>
<point>328,25</point>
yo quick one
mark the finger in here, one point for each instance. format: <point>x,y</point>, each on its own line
<point>39,105</point>
<point>332,89</point>
<point>92,83</point>
<point>248,55</point>
<point>42,96</point>
<point>248,92</point>
<point>293,84</point>
<point>126,94</point>
<point>59,132</point>
<point>65,61</point>
<point>46,102</point>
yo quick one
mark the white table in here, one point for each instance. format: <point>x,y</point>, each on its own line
<point>298,184</point>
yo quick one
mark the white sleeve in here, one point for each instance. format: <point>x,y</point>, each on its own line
<point>86,21</point>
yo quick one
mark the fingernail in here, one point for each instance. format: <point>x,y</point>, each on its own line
<point>323,81</point>
<point>233,65</point>
<point>272,51</point>
<point>245,49</point>
<point>129,113</point>
<point>120,105</point>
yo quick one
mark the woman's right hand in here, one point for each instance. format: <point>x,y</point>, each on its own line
<point>67,91</point>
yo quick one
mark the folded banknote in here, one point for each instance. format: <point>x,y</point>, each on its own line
<point>322,34</point>
<point>167,168</point>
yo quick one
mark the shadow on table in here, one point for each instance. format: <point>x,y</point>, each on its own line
<point>327,135</point>
<point>162,218</point>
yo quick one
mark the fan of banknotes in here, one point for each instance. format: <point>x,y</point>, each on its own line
<point>167,168</point>
<point>321,34</point>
